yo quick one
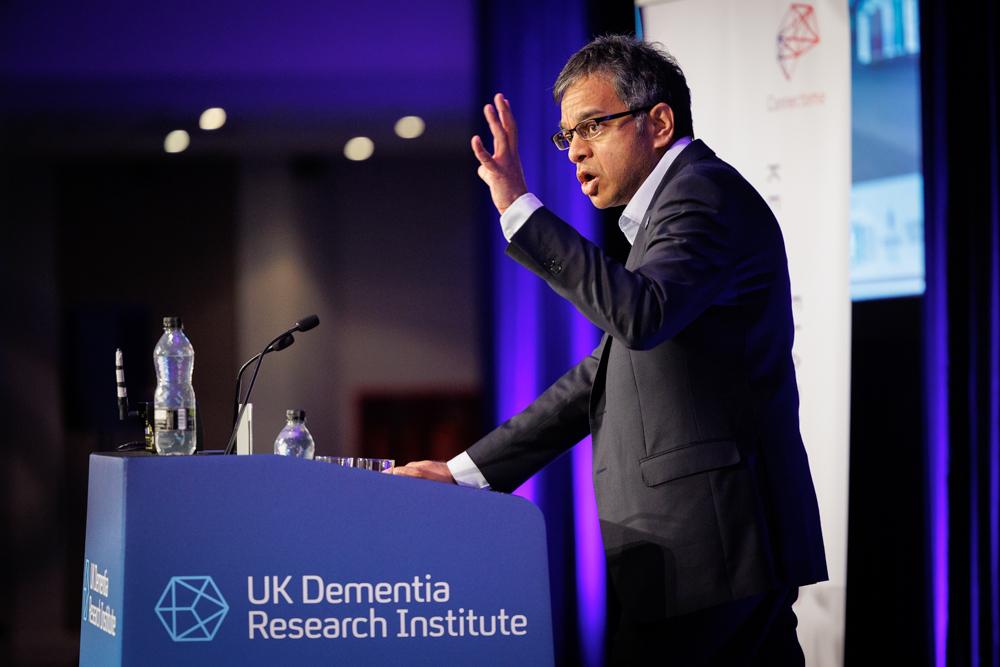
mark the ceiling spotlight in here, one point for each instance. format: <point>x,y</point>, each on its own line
<point>176,142</point>
<point>410,127</point>
<point>212,119</point>
<point>359,148</point>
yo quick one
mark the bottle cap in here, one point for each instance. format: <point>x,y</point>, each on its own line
<point>172,322</point>
<point>295,414</point>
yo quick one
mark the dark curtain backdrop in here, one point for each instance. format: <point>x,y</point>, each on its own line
<point>959,69</point>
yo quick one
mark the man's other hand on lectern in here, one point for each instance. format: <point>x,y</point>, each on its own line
<point>434,470</point>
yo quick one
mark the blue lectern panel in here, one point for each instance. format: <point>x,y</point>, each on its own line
<point>265,560</point>
<point>100,633</point>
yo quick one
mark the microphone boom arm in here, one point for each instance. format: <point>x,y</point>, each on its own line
<point>305,324</point>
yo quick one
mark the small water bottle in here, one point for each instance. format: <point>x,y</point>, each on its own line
<point>173,403</point>
<point>295,439</point>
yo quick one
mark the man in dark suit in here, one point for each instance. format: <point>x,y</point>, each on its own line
<point>707,508</point>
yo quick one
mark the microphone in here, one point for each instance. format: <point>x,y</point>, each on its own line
<point>143,411</point>
<point>305,324</point>
<point>120,381</point>
<point>283,342</point>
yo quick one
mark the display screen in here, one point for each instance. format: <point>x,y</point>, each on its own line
<point>887,219</point>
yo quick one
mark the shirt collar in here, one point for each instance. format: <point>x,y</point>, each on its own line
<point>643,197</point>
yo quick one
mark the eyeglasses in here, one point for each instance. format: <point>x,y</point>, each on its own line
<point>589,129</point>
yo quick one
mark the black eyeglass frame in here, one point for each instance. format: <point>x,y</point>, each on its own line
<point>568,134</point>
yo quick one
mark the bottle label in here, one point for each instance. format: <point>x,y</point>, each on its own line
<point>167,419</point>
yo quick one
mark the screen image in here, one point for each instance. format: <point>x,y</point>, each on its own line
<point>887,220</point>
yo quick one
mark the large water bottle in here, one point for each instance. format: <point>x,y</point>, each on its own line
<point>173,403</point>
<point>295,439</point>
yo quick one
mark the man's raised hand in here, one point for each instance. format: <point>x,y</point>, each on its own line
<point>502,170</point>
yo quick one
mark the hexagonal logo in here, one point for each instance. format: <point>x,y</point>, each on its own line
<point>191,609</point>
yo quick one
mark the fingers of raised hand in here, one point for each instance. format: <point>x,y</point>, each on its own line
<point>506,117</point>
<point>496,129</point>
<point>479,150</point>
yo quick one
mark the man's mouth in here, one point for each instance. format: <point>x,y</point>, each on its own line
<point>588,183</point>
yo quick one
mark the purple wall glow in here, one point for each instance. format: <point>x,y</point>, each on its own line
<point>994,391</point>
<point>190,39</point>
<point>528,354</point>
<point>936,387</point>
<point>994,401</point>
<point>302,57</point>
<point>141,40</point>
<point>590,566</point>
<point>516,343</point>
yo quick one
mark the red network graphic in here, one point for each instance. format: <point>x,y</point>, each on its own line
<point>798,33</point>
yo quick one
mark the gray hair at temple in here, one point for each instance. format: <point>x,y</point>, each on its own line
<point>641,73</point>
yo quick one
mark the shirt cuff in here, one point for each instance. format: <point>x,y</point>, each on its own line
<point>518,213</point>
<point>466,473</point>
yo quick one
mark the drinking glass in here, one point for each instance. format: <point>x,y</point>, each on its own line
<point>346,461</point>
<point>378,465</point>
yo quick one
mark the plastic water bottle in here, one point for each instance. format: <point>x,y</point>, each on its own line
<point>173,403</point>
<point>295,439</point>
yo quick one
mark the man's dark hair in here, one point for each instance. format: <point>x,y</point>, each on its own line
<point>641,73</point>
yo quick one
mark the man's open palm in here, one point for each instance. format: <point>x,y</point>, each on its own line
<point>502,170</point>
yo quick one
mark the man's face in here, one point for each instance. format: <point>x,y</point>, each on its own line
<point>612,165</point>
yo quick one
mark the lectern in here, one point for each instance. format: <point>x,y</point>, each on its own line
<point>265,560</point>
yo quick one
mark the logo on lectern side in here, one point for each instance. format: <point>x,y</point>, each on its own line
<point>191,609</point>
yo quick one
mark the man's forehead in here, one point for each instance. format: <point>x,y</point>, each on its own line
<point>591,96</point>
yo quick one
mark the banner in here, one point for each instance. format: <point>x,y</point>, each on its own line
<point>771,94</point>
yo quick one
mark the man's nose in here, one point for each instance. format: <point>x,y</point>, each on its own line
<point>578,149</point>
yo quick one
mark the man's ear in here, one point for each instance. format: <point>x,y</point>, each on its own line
<point>662,125</point>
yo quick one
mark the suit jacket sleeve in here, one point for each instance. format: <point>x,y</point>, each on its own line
<point>551,424</point>
<point>688,257</point>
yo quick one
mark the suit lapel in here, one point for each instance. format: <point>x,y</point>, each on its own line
<point>696,150</point>
<point>693,152</point>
